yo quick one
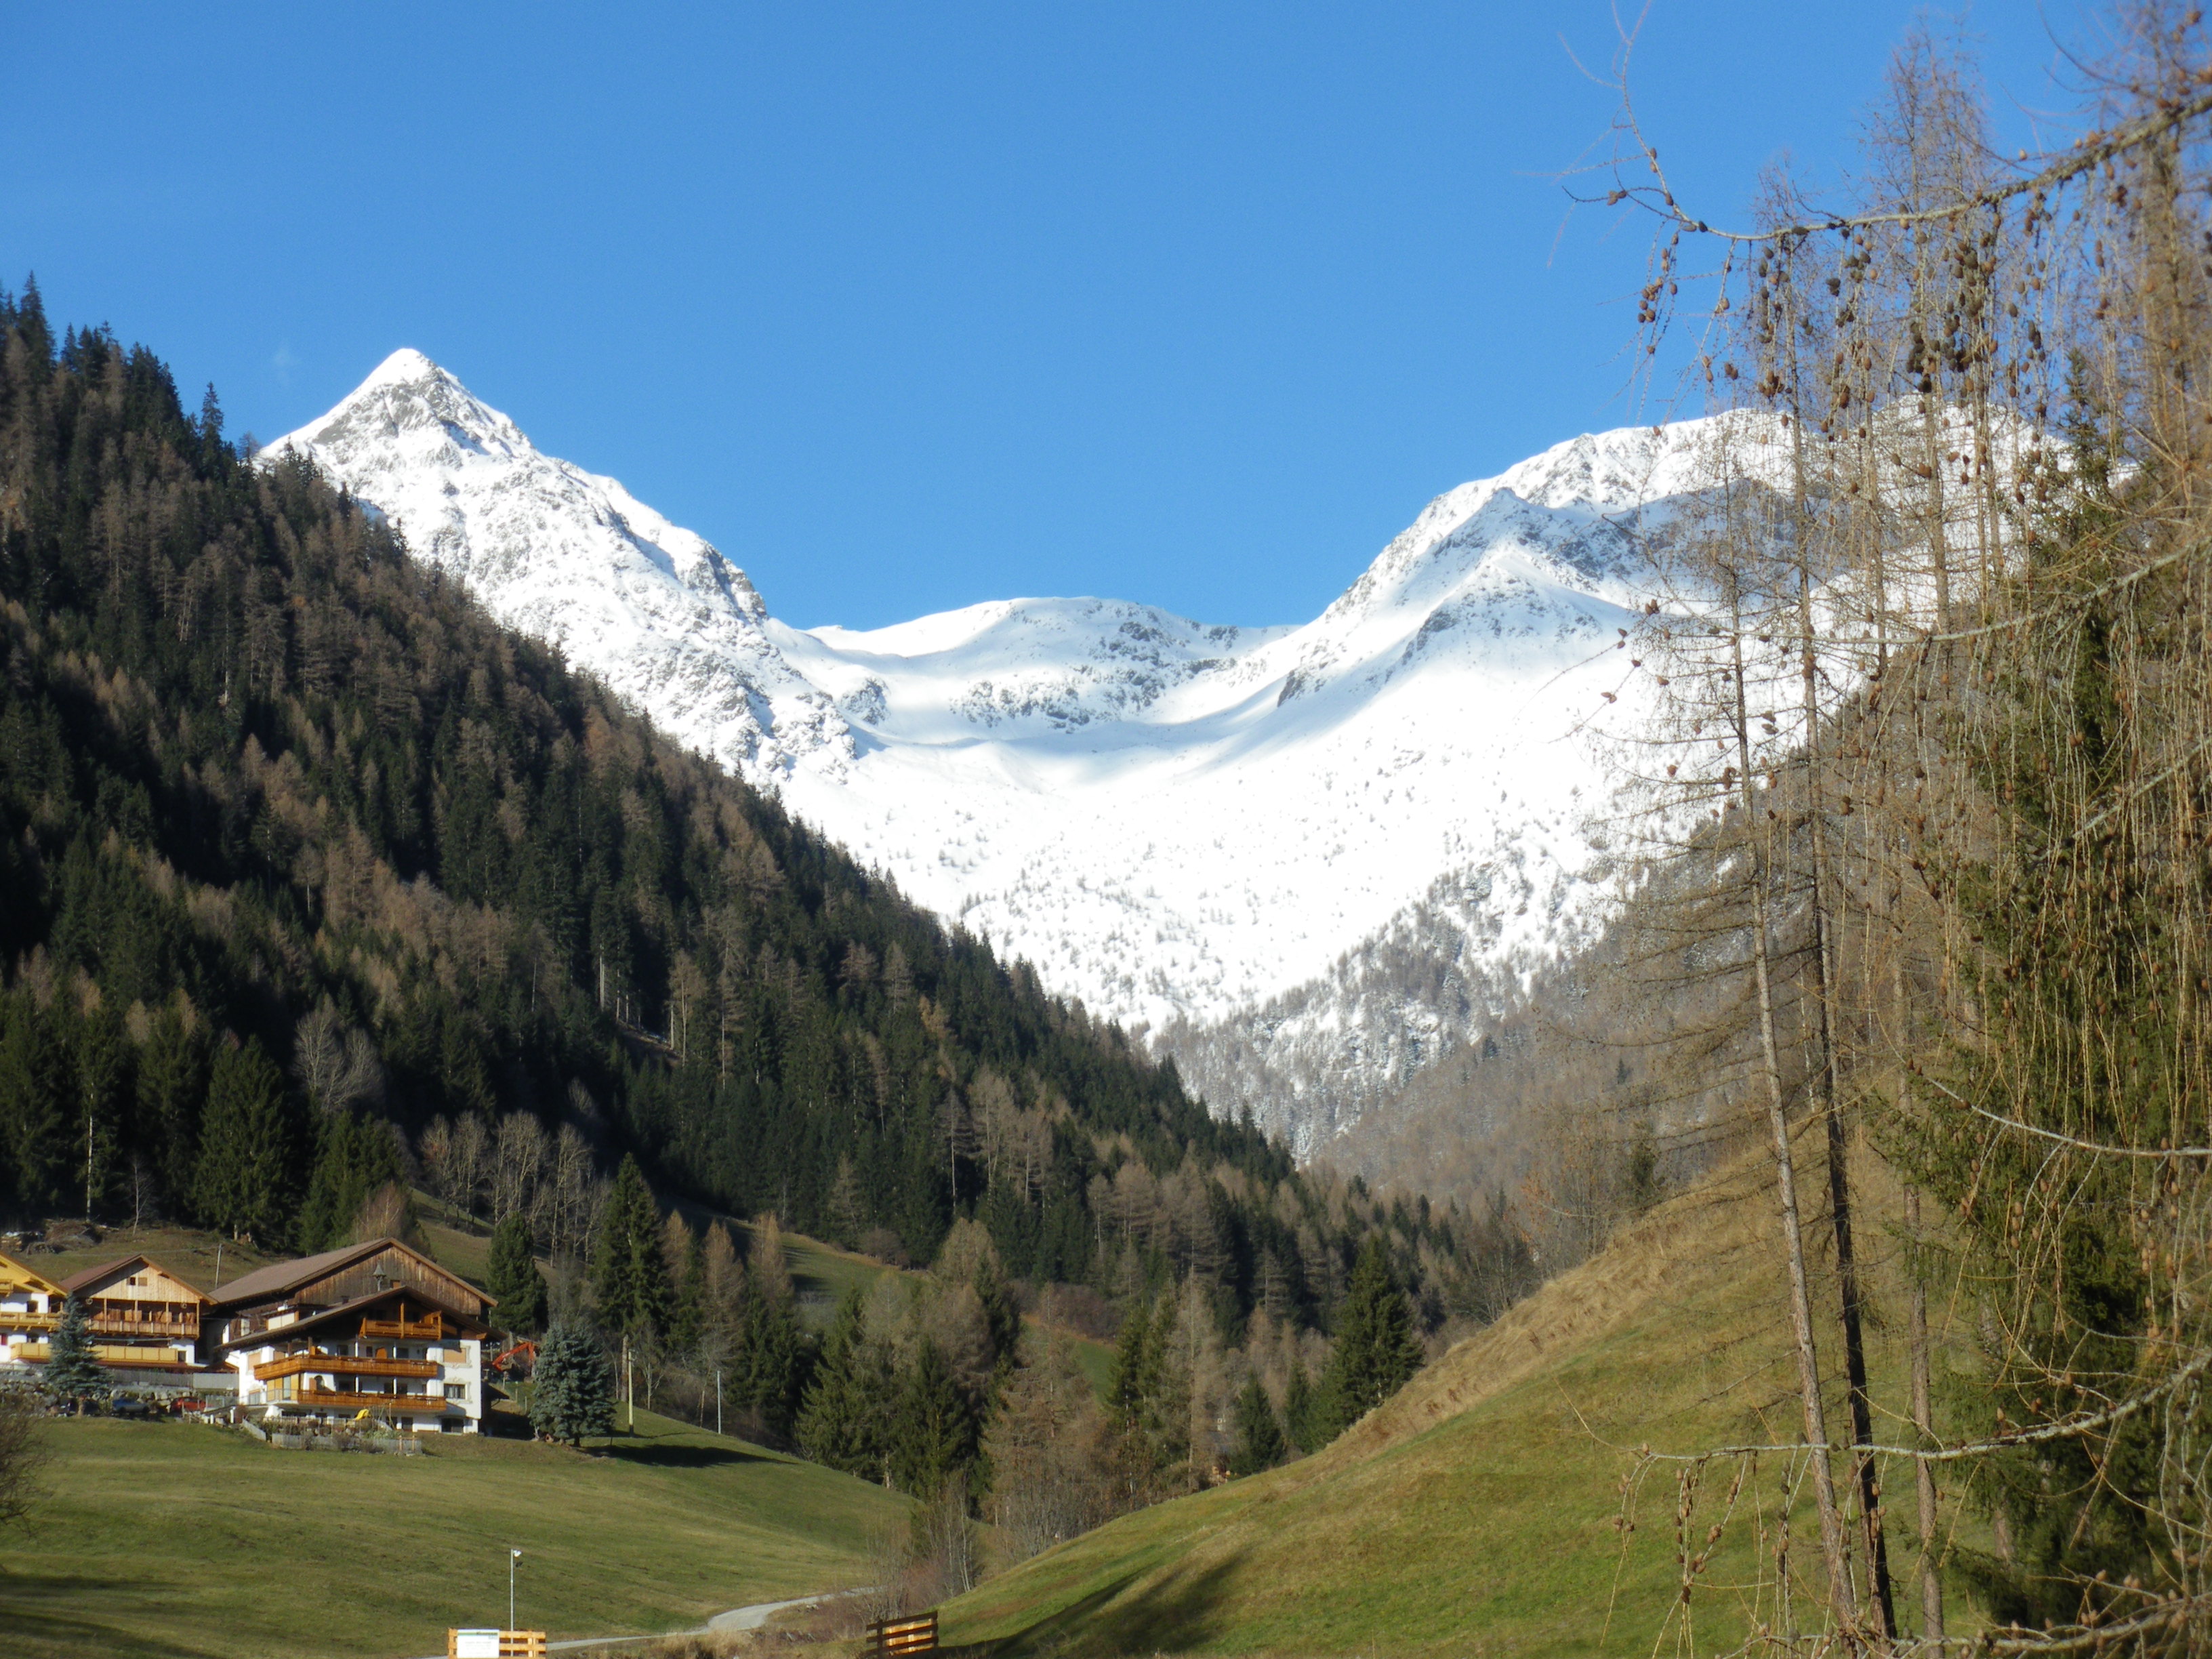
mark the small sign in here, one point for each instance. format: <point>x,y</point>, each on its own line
<point>476,1644</point>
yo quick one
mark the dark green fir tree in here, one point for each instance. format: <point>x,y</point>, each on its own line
<point>845,1421</point>
<point>629,1278</point>
<point>512,1278</point>
<point>1304,1412</point>
<point>1376,1350</point>
<point>1259,1436</point>
<point>243,1173</point>
<point>774,1358</point>
<point>937,1431</point>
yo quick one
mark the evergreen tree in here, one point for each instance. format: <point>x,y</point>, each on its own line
<point>1304,1412</point>
<point>844,1422</point>
<point>1129,1383</point>
<point>511,1277</point>
<point>72,1373</point>
<point>1375,1348</point>
<point>1147,1396</point>
<point>573,1387</point>
<point>684,1254</point>
<point>357,1157</point>
<point>243,1180</point>
<point>34,1115</point>
<point>98,1125</point>
<point>937,1431</point>
<point>1002,1317</point>
<point>1259,1435</point>
<point>172,1084</point>
<point>629,1279</point>
<point>774,1358</point>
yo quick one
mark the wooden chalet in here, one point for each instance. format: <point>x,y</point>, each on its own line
<point>30,1308</point>
<point>142,1317</point>
<point>374,1331</point>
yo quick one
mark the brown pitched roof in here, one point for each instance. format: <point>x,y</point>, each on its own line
<point>93,1278</point>
<point>281,1279</point>
<point>278,1277</point>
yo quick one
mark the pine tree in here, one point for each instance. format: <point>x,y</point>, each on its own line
<point>245,1147</point>
<point>1375,1348</point>
<point>629,1281</point>
<point>171,1084</point>
<point>33,1103</point>
<point>1304,1412</point>
<point>844,1422</point>
<point>684,1255</point>
<point>73,1373</point>
<point>1128,1383</point>
<point>511,1277</point>
<point>774,1358</point>
<point>573,1388</point>
<point>103,1082</point>
<point>1002,1317</point>
<point>1259,1436</point>
<point>357,1156</point>
<point>937,1430</point>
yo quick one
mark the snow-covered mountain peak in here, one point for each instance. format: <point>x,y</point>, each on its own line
<point>1181,823</point>
<point>574,558</point>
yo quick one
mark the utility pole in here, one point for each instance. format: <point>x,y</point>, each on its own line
<point>512,1556</point>
<point>718,1399</point>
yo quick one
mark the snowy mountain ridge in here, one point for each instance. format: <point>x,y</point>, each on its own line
<point>1193,828</point>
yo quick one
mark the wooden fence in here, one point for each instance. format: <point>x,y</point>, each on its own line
<point>916,1635</point>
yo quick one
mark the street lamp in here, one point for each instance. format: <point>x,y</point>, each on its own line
<point>512,1556</point>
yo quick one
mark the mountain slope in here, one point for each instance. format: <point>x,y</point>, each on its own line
<point>1474,1512</point>
<point>1175,823</point>
<point>257,763</point>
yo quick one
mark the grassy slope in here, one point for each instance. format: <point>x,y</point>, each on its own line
<point>180,1540</point>
<point>1474,1514</point>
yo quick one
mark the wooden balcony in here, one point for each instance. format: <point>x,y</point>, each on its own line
<point>292,1365</point>
<point>143,1325</point>
<point>19,1320</point>
<point>346,1400</point>
<point>108,1353</point>
<point>430,1329</point>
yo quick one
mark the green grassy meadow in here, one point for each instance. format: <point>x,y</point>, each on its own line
<point>1476,1513</point>
<point>179,1541</point>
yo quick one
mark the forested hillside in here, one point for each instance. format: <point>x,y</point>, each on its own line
<point>295,843</point>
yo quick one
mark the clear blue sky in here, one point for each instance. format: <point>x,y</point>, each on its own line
<point>907,306</point>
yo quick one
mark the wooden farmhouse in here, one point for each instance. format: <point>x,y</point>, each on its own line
<point>374,1331</point>
<point>142,1317</point>
<point>30,1308</point>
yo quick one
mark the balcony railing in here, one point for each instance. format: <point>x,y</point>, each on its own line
<point>292,1365</point>
<point>346,1400</point>
<point>123,1324</point>
<point>430,1327</point>
<point>107,1353</point>
<point>16,1319</point>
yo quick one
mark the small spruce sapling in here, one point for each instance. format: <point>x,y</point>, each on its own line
<point>574,1394</point>
<point>73,1374</point>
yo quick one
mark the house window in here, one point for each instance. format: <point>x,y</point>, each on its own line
<point>457,1391</point>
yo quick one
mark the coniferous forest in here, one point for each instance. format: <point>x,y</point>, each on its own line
<point>319,883</point>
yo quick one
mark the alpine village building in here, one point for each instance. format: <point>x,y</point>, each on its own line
<point>143,1319</point>
<point>376,1333</point>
